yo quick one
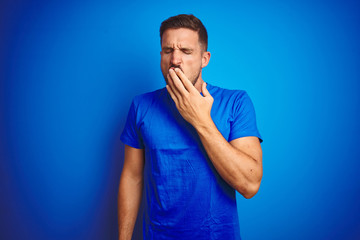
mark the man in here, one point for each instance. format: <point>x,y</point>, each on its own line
<point>190,145</point>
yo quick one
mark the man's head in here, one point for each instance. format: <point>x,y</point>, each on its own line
<point>188,21</point>
<point>184,46</point>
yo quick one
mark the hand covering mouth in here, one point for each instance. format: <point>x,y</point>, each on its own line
<point>173,67</point>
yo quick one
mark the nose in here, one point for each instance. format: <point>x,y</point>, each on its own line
<point>176,57</point>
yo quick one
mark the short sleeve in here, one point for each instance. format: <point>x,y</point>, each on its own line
<point>131,134</point>
<point>243,123</point>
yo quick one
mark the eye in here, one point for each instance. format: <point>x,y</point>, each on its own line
<point>167,50</point>
<point>187,51</point>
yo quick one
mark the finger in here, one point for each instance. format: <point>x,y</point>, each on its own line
<point>171,84</point>
<point>186,82</point>
<point>178,84</point>
<point>204,90</point>
<point>172,95</point>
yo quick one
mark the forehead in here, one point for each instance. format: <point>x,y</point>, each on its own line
<point>180,36</point>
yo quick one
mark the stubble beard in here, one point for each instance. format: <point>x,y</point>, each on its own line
<point>196,79</point>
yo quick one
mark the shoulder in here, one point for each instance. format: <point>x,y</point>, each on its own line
<point>146,99</point>
<point>240,109</point>
<point>235,102</point>
<point>232,95</point>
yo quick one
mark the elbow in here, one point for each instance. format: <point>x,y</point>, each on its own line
<point>250,190</point>
<point>249,194</point>
<point>252,185</point>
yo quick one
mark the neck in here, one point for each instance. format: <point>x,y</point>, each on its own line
<point>199,83</point>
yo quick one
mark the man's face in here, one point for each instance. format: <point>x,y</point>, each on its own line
<point>181,48</point>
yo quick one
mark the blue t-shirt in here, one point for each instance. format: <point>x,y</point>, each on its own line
<point>185,196</point>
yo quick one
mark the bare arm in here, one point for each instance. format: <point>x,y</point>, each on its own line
<point>239,162</point>
<point>130,191</point>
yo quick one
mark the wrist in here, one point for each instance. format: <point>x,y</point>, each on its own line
<point>204,127</point>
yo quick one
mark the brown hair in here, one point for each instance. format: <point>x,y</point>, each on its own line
<point>186,21</point>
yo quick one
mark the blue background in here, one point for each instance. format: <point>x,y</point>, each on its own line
<point>69,70</point>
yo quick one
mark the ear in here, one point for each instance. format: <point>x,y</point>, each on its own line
<point>205,59</point>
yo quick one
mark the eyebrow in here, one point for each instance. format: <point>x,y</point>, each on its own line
<point>182,49</point>
<point>167,48</point>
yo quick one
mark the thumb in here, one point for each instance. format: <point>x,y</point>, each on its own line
<point>204,90</point>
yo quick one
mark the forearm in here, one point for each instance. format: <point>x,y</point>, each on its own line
<point>129,199</point>
<point>240,170</point>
